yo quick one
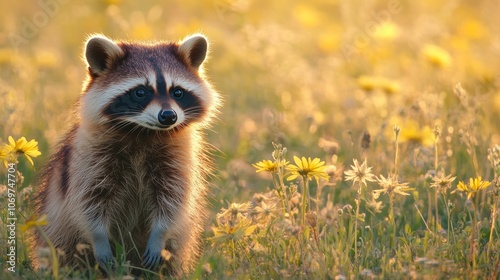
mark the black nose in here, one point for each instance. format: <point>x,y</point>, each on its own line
<point>167,117</point>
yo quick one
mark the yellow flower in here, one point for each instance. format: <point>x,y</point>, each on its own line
<point>234,209</point>
<point>45,59</point>
<point>371,83</point>
<point>226,232</point>
<point>307,15</point>
<point>359,173</point>
<point>307,167</point>
<point>442,182</point>
<point>374,205</point>
<point>472,29</point>
<point>368,83</point>
<point>265,210</point>
<point>22,146</point>
<point>436,56</point>
<point>387,31</point>
<point>391,186</point>
<point>389,86</point>
<point>268,165</point>
<point>7,56</point>
<point>329,40</point>
<point>34,221</point>
<point>474,186</point>
<point>412,132</point>
<point>113,2</point>
<point>4,152</point>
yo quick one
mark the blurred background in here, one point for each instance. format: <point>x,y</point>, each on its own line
<point>311,75</point>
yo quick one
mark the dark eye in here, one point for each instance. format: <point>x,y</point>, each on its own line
<point>140,93</point>
<point>178,93</point>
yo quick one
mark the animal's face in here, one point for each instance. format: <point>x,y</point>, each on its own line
<point>153,86</point>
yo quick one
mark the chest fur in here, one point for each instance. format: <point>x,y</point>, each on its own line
<point>131,182</point>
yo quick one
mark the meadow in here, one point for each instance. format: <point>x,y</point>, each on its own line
<point>357,140</point>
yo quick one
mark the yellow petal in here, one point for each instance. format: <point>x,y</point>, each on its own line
<point>31,145</point>
<point>11,141</point>
<point>21,142</point>
<point>304,163</point>
<point>42,221</point>
<point>460,186</point>
<point>314,162</point>
<point>29,159</point>
<point>250,229</point>
<point>33,153</point>
<point>292,168</point>
<point>297,160</point>
<point>24,228</point>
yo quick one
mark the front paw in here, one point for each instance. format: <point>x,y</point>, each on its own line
<point>102,248</point>
<point>156,243</point>
<point>105,260</point>
<point>152,258</point>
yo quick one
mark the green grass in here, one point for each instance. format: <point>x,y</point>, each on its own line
<point>313,76</point>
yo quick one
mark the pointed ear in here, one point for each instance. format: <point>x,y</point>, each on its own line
<point>101,53</point>
<point>194,49</point>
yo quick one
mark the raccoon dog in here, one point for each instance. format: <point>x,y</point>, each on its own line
<point>131,169</point>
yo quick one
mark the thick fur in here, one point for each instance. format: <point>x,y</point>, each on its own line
<point>120,176</point>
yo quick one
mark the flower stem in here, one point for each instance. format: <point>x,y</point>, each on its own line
<point>436,218</point>
<point>357,200</point>
<point>494,206</point>
<point>396,147</point>
<point>356,230</point>
<point>430,214</point>
<point>436,162</point>
<point>318,195</point>
<point>53,253</point>
<point>436,154</point>
<point>473,218</point>
<point>305,194</point>
<point>281,193</point>
<point>392,223</point>
<point>451,231</point>
<point>492,229</point>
